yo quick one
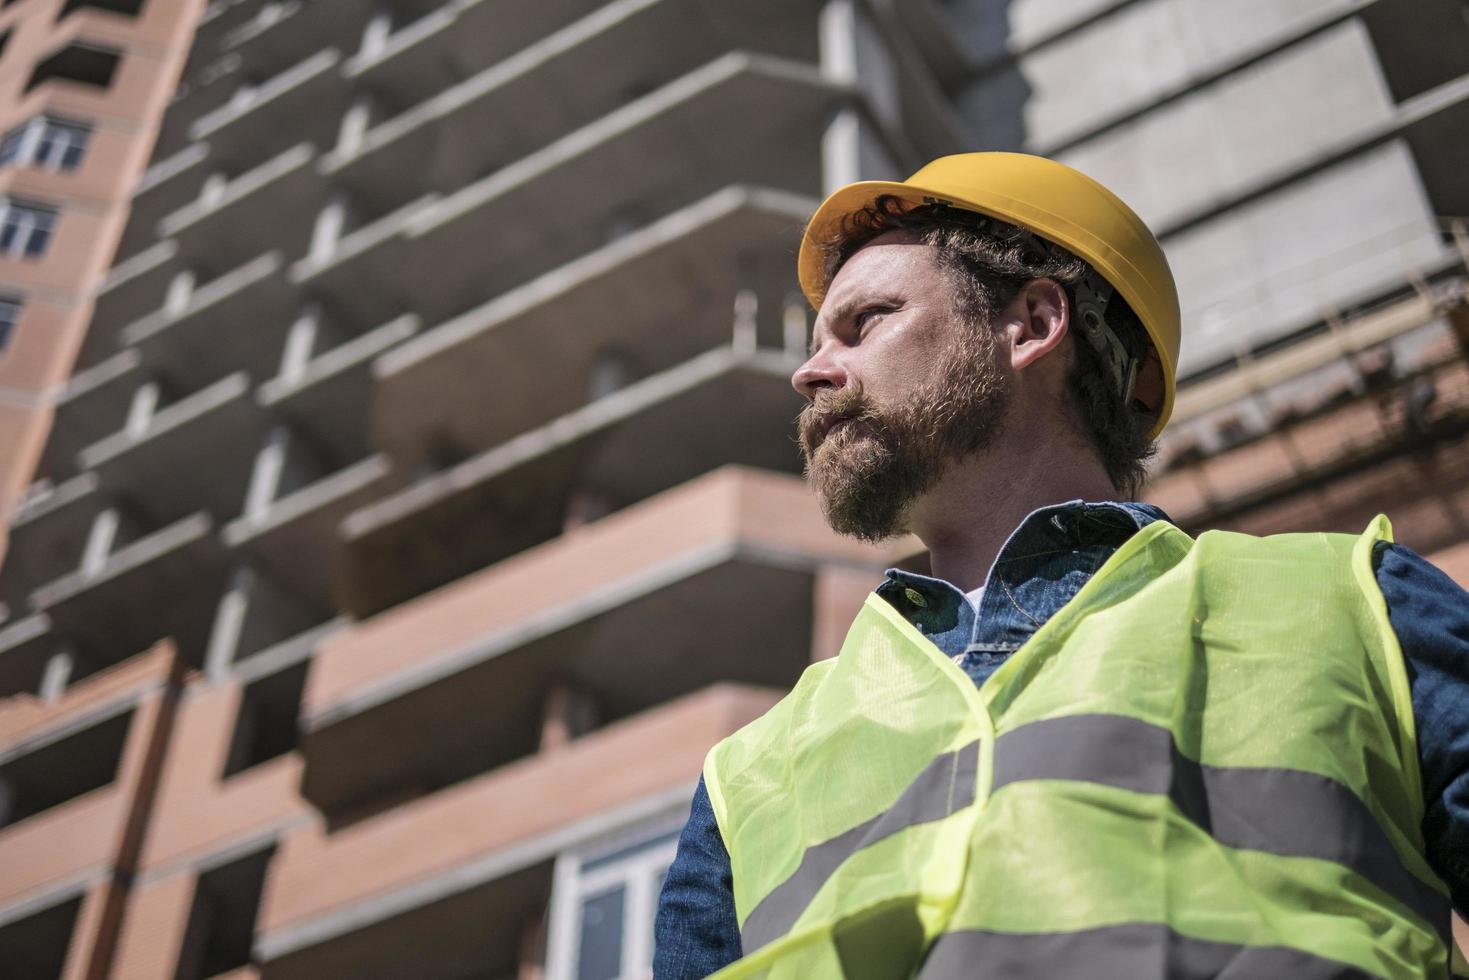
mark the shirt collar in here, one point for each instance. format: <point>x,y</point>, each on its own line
<point>1042,564</point>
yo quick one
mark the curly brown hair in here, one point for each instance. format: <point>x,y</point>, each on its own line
<point>989,261</point>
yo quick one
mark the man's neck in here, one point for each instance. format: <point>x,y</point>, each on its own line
<point>967,516</point>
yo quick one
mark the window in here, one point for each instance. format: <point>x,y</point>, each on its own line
<point>9,314</point>
<point>25,228</point>
<point>77,63</point>
<point>604,902</point>
<point>46,142</point>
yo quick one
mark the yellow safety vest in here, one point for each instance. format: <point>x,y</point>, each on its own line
<point>1203,765</point>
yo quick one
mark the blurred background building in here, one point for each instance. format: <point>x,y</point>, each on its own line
<point>424,501</point>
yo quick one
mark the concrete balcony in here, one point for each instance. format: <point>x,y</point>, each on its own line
<point>367,900</point>
<point>329,399</point>
<point>300,105</point>
<point>75,815</point>
<point>166,186</point>
<point>1364,442</point>
<point>457,40</point>
<point>295,538</point>
<point>175,180</point>
<point>536,95</point>
<point>487,650</point>
<point>435,386</point>
<point>90,403</point>
<point>48,535</point>
<point>414,62</point>
<point>88,408</point>
<point>27,644</point>
<point>1174,197</point>
<point>272,206</point>
<point>236,321</point>
<point>278,36</point>
<point>549,207</point>
<point>206,442</point>
<point>134,287</point>
<point>361,279</point>
<point>645,438</point>
<point>162,584</point>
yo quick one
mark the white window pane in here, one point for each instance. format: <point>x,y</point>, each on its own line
<point>599,955</point>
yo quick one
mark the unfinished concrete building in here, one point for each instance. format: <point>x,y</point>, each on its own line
<point>425,504</point>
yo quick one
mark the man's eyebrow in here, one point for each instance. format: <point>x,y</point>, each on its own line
<point>849,306</point>
<point>838,313</point>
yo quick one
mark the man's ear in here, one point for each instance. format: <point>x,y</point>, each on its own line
<point>1038,318</point>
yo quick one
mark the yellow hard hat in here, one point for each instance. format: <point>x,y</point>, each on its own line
<point>1055,202</point>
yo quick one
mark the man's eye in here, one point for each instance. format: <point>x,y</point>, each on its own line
<point>866,317</point>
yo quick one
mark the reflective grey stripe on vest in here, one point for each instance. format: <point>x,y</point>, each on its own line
<point>1286,812</point>
<point>945,786</point>
<point>1135,950</point>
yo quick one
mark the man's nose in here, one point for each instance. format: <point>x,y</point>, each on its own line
<point>821,370</point>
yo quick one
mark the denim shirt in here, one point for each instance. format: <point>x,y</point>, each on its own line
<point>1043,564</point>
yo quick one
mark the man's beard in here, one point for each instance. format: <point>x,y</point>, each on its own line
<point>867,470</point>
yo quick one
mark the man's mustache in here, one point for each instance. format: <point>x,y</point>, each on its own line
<point>829,407</point>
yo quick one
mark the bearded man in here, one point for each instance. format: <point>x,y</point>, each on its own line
<point>1086,745</point>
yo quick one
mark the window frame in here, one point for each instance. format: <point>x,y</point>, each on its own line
<point>28,137</point>
<point>650,843</point>
<point>21,247</point>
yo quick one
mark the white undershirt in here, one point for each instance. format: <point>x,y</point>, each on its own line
<point>975,598</point>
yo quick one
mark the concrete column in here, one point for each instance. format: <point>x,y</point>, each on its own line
<point>99,541</point>
<point>795,329</point>
<point>213,189</point>
<point>612,370</point>
<point>331,223</point>
<point>142,409</point>
<point>746,306</point>
<point>57,675</point>
<point>854,54</point>
<point>355,123</point>
<point>229,625</point>
<point>375,35</point>
<point>253,613</point>
<point>840,152</point>
<point>180,291</point>
<point>836,28</point>
<point>265,478</point>
<point>244,95</point>
<point>300,342</point>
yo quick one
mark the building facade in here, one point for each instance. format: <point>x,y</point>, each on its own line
<point>425,502</point>
<point>83,84</point>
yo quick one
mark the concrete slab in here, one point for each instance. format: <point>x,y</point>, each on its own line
<point>645,438</point>
<point>662,152</point>
<point>271,206</point>
<point>478,379</point>
<point>293,540</point>
<point>330,399</point>
<point>206,443</point>
<point>236,321</point>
